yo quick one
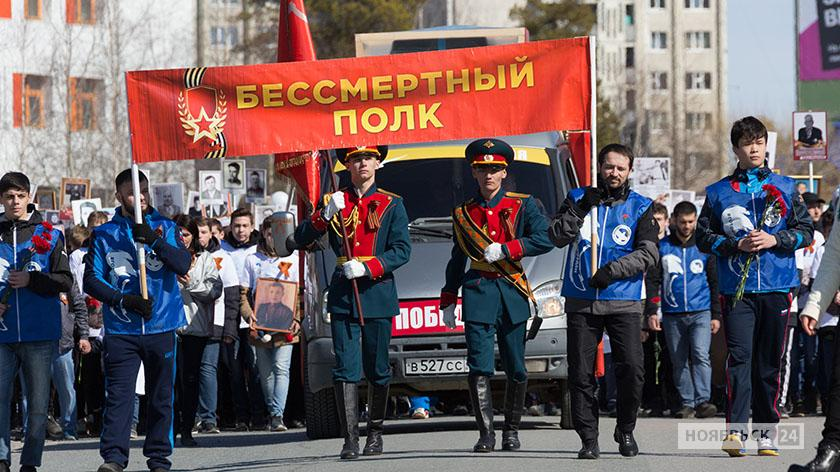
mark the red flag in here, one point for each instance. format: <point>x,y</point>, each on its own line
<point>294,43</point>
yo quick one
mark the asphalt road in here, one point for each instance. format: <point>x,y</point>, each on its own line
<point>439,444</point>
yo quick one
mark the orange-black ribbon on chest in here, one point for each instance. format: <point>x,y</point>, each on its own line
<point>499,222</point>
<point>363,219</point>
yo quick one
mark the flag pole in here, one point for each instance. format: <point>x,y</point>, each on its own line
<point>593,148</point>
<point>138,218</point>
<point>348,250</point>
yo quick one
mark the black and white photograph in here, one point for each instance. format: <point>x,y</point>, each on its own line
<point>256,183</point>
<point>194,203</point>
<point>83,208</point>
<point>261,212</point>
<point>168,199</point>
<point>74,189</point>
<point>234,174</point>
<point>52,217</point>
<point>45,199</point>
<point>213,198</point>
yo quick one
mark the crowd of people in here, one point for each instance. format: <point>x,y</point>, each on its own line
<point>684,314</point>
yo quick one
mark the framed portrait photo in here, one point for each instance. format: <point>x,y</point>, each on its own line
<point>45,199</point>
<point>275,303</point>
<point>74,189</point>
<point>256,185</point>
<point>168,199</point>
<point>261,212</point>
<point>233,173</point>
<point>83,208</point>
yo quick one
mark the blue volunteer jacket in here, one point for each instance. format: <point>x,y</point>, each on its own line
<point>732,209</point>
<point>617,227</point>
<point>684,280</point>
<point>33,312</point>
<point>111,270</point>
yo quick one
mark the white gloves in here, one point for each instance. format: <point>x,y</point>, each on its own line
<point>335,205</point>
<point>354,269</point>
<point>449,316</point>
<point>493,253</point>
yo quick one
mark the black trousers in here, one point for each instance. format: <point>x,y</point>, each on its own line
<point>190,350</point>
<point>831,430</point>
<point>584,333</point>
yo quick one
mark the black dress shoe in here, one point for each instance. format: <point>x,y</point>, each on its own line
<point>626,444</point>
<point>827,460</point>
<point>110,467</point>
<point>589,450</point>
<point>188,441</point>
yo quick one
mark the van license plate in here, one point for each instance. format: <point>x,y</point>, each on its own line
<point>436,365</point>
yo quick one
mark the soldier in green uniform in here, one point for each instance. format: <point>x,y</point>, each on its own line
<point>494,231</point>
<point>377,229</point>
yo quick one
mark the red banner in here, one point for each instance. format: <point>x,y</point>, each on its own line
<point>296,107</point>
<point>423,317</point>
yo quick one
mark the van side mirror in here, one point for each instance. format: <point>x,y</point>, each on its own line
<point>283,233</point>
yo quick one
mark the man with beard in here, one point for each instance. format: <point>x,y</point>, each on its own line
<point>608,296</point>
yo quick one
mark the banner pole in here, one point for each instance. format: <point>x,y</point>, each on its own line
<point>138,219</point>
<point>593,148</point>
<point>811,177</point>
<point>348,250</point>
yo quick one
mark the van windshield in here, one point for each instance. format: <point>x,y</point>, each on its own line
<point>431,188</point>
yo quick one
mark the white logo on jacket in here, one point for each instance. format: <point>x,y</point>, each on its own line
<point>672,267</point>
<point>121,273</point>
<point>583,246</point>
<point>621,234</point>
<point>696,266</point>
<point>736,221</point>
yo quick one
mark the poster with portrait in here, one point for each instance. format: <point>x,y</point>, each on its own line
<point>256,185</point>
<point>74,189</point>
<point>233,171</point>
<point>52,217</point>
<point>45,199</point>
<point>168,199</point>
<point>212,197</point>
<point>194,208</point>
<point>261,212</point>
<point>83,208</point>
<point>810,141</point>
<point>275,303</point>
<point>651,176</point>
<point>677,196</point>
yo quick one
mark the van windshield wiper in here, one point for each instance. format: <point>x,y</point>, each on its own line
<point>430,226</point>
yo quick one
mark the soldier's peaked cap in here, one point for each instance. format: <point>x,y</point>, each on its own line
<point>489,151</point>
<point>346,153</point>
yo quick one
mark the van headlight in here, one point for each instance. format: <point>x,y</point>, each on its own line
<point>549,301</point>
<point>325,313</point>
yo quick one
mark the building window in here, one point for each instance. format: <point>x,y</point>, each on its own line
<point>657,3</point>
<point>5,8</point>
<point>629,58</point>
<point>697,3</point>
<point>629,15</point>
<point>659,81</point>
<point>32,9</point>
<point>698,40</point>
<point>224,36</point>
<point>630,100</point>
<point>35,89</point>
<point>658,120</point>
<point>698,81</point>
<point>84,103</point>
<point>81,11</point>
<point>698,121</point>
<point>659,40</point>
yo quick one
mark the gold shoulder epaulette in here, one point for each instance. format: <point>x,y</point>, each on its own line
<point>387,192</point>
<point>516,195</point>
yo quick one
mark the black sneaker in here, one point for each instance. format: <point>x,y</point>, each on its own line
<point>28,468</point>
<point>208,428</point>
<point>110,467</point>
<point>684,412</point>
<point>705,410</point>
<point>241,427</point>
<point>277,424</point>
<point>4,466</point>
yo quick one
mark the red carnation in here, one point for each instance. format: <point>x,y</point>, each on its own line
<point>92,303</point>
<point>47,226</point>
<point>47,236</point>
<point>41,245</point>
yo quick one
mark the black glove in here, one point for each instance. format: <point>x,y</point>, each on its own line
<point>138,305</point>
<point>602,278</point>
<point>591,197</point>
<point>143,233</point>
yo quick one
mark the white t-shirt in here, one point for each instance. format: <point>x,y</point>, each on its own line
<point>825,318</point>
<point>239,255</point>
<point>259,265</point>
<point>77,268</point>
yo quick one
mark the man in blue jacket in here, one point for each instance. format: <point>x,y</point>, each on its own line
<point>684,287</point>
<point>34,271</point>
<point>733,226</point>
<point>137,329</point>
<point>608,296</point>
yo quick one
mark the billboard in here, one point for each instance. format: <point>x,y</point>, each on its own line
<point>819,40</point>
